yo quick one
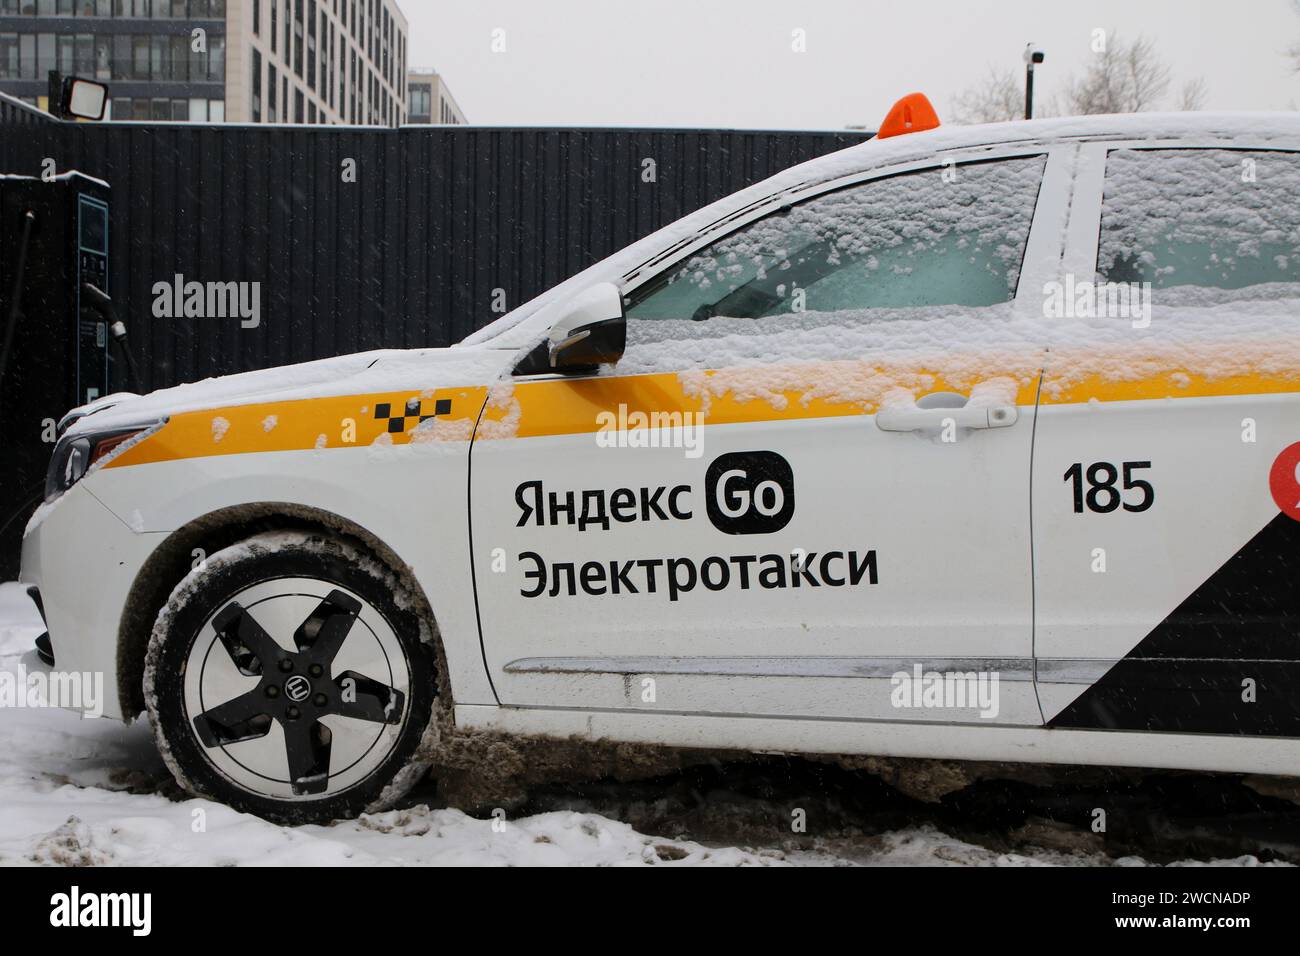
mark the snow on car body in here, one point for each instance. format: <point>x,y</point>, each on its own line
<point>914,493</point>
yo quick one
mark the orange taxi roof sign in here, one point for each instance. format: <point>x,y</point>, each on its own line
<point>912,114</point>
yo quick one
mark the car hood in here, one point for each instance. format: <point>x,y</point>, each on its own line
<point>365,373</point>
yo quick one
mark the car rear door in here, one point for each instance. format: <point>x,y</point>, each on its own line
<point>1165,483</point>
<point>804,491</point>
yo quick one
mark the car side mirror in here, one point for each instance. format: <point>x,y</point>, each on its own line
<point>591,331</point>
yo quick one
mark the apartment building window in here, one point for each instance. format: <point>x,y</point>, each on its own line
<point>299,106</point>
<point>216,58</point>
<point>275,23</point>
<point>297,37</point>
<point>311,44</point>
<point>63,58</point>
<point>341,73</point>
<point>182,67</point>
<point>45,57</point>
<point>9,62</point>
<point>257,87</point>
<point>153,109</point>
<point>139,57</point>
<point>329,63</point>
<point>341,101</point>
<point>272,82</point>
<point>160,57</point>
<point>77,54</point>
<point>27,56</point>
<point>421,97</point>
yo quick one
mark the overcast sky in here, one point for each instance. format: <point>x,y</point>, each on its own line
<point>730,63</point>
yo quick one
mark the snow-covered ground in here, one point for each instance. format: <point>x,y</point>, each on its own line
<point>80,791</point>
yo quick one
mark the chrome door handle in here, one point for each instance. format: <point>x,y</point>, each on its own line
<point>911,419</point>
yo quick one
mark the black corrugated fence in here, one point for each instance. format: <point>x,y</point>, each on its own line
<point>411,253</point>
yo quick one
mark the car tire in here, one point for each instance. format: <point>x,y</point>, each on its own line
<point>286,677</point>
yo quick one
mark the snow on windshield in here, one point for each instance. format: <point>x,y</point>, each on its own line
<point>948,235</point>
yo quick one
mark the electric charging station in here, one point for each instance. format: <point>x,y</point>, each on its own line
<point>54,340</point>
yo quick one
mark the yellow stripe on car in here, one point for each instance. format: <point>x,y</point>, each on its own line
<point>346,421</point>
<point>538,408</point>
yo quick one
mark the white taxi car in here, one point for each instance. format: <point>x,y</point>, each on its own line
<point>965,443</point>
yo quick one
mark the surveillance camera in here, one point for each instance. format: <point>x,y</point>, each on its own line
<point>1033,54</point>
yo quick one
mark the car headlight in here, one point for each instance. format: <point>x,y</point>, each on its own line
<point>75,454</point>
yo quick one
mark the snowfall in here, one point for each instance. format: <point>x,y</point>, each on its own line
<point>77,791</point>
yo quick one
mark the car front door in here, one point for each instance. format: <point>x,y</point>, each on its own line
<point>804,489</point>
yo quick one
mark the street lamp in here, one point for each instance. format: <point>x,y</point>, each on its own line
<point>1033,56</point>
<point>72,97</point>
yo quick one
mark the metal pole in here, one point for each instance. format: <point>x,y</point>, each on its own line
<point>54,92</point>
<point>1029,90</point>
<point>16,306</point>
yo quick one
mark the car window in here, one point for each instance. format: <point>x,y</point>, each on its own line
<point>1216,218</point>
<point>949,235</point>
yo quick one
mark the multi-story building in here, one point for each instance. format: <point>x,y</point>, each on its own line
<point>316,61</point>
<point>429,101</point>
<point>246,61</point>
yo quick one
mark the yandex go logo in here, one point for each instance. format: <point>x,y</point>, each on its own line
<point>750,492</point>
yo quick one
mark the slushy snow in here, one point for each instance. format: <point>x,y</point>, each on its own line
<point>77,792</point>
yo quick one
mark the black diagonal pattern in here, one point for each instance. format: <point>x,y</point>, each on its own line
<point>1243,622</point>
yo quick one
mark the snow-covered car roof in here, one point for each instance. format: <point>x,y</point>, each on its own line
<point>1255,129</point>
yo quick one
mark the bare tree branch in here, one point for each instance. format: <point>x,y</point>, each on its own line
<point>1124,78</point>
<point>1192,95</point>
<point>995,99</point>
<point>1294,51</point>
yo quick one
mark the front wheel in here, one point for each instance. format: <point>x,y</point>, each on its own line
<point>286,677</point>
